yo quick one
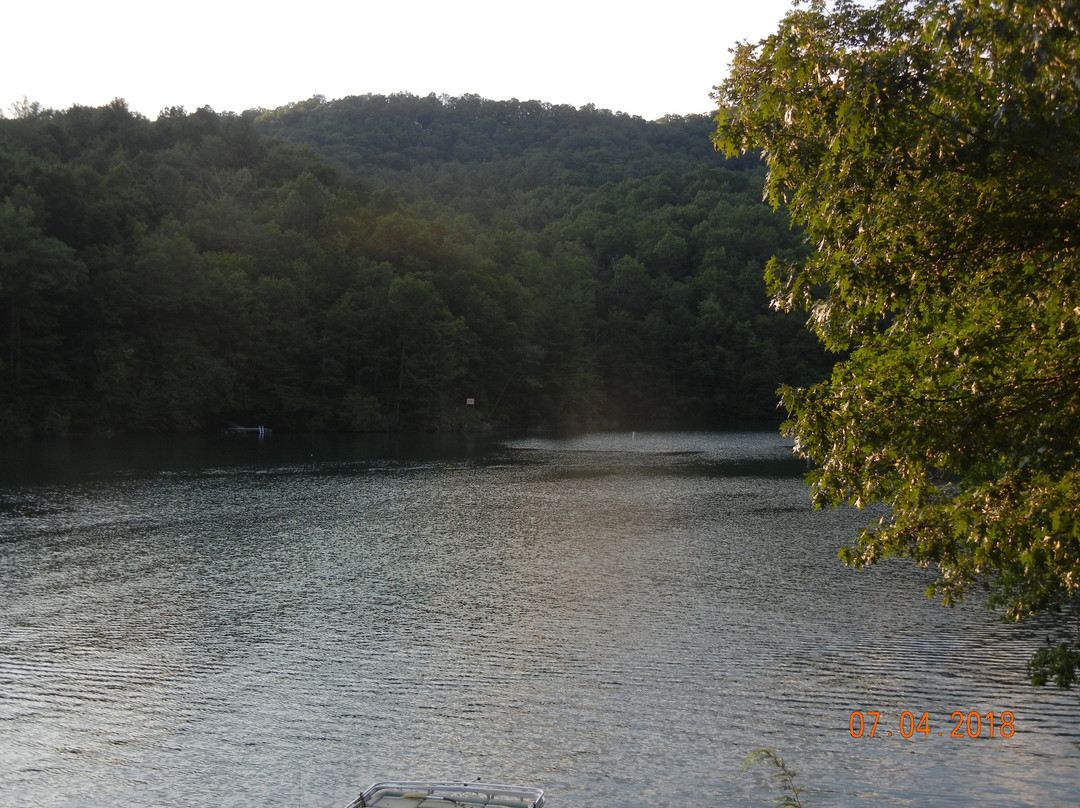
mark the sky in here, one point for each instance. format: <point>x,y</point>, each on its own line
<point>650,59</point>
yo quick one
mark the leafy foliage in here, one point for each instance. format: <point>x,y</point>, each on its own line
<point>1057,663</point>
<point>929,151</point>
<point>371,263</point>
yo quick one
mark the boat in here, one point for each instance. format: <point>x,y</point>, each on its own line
<point>430,793</point>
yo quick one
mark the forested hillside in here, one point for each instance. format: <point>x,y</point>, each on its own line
<point>375,262</point>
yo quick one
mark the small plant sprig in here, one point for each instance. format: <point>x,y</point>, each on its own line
<point>783,776</point>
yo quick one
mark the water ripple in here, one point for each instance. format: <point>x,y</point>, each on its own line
<point>617,618</point>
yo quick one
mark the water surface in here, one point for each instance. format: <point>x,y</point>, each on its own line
<point>619,619</point>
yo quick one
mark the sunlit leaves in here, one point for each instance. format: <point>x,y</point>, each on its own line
<point>929,152</point>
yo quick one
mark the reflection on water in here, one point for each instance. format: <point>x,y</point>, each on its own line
<point>619,619</point>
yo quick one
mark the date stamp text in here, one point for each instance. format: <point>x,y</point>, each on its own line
<point>874,724</point>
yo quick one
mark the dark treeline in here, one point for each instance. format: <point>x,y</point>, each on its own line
<point>374,262</point>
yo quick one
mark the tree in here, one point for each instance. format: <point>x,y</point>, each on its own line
<point>556,266</point>
<point>37,273</point>
<point>928,149</point>
<point>426,338</point>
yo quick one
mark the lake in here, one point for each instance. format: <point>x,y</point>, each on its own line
<point>620,619</point>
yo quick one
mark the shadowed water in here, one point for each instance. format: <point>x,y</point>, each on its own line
<point>619,619</point>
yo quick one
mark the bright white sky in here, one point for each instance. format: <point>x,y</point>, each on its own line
<point>647,58</point>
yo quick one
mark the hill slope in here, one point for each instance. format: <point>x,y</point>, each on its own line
<point>374,262</point>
